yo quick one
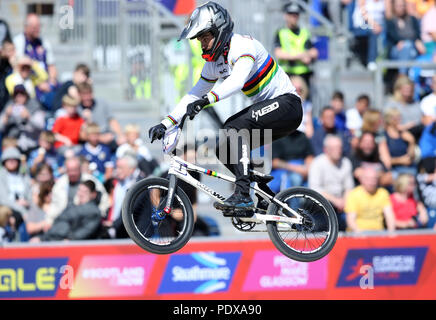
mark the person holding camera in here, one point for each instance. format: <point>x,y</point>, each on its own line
<point>23,120</point>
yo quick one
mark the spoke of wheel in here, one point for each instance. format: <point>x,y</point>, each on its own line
<point>146,230</point>
<point>295,239</point>
<point>311,245</point>
<point>320,241</point>
<point>315,241</point>
<point>157,230</point>
<point>284,234</point>
<point>306,242</point>
<point>319,237</point>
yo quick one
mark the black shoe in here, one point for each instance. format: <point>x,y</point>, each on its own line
<point>237,205</point>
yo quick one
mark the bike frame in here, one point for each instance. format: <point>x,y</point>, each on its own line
<point>179,170</point>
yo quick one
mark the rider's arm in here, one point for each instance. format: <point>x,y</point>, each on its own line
<point>203,85</point>
<point>235,81</point>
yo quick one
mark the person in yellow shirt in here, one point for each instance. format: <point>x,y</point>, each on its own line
<point>368,205</point>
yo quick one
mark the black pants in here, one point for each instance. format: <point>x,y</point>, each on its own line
<point>282,115</point>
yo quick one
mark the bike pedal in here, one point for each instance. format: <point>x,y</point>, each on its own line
<point>227,213</point>
<point>219,206</point>
<point>234,212</point>
<point>238,213</point>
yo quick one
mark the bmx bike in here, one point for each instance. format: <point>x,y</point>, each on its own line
<point>158,215</point>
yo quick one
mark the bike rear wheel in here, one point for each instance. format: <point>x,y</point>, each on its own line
<point>143,201</point>
<point>315,237</point>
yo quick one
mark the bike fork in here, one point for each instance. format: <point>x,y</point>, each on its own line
<point>171,191</point>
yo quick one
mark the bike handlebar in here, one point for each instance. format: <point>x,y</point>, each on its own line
<point>198,108</point>
<point>182,122</point>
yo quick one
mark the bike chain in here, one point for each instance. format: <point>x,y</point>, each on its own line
<point>242,226</point>
<point>246,226</point>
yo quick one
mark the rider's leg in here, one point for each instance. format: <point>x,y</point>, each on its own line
<point>233,148</point>
<point>222,152</point>
<point>240,159</point>
<point>282,115</point>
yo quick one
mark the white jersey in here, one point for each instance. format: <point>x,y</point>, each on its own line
<point>249,68</point>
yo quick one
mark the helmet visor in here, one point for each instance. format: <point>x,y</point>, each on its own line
<point>199,22</point>
<point>186,30</point>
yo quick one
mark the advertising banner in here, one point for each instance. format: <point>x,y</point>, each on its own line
<point>112,275</point>
<point>270,270</point>
<point>377,267</point>
<point>389,266</point>
<point>200,272</point>
<point>30,278</point>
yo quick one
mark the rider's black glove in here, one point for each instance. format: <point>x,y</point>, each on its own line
<point>157,132</point>
<point>195,107</point>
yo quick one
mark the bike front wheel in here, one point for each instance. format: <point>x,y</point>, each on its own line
<point>160,235</point>
<point>315,237</point>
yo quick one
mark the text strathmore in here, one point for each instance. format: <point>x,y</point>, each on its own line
<point>196,273</point>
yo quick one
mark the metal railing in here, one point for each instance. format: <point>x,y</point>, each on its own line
<point>379,85</point>
<point>128,39</point>
<point>125,38</point>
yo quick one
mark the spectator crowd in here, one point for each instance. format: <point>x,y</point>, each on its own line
<point>66,162</point>
<point>375,164</point>
<point>378,171</point>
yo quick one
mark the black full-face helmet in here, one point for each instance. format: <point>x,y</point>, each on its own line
<point>213,18</point>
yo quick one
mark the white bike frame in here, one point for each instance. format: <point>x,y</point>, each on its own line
<point>179,168</point>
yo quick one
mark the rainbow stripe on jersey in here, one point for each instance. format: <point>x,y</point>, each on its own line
<point>261,78</point>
